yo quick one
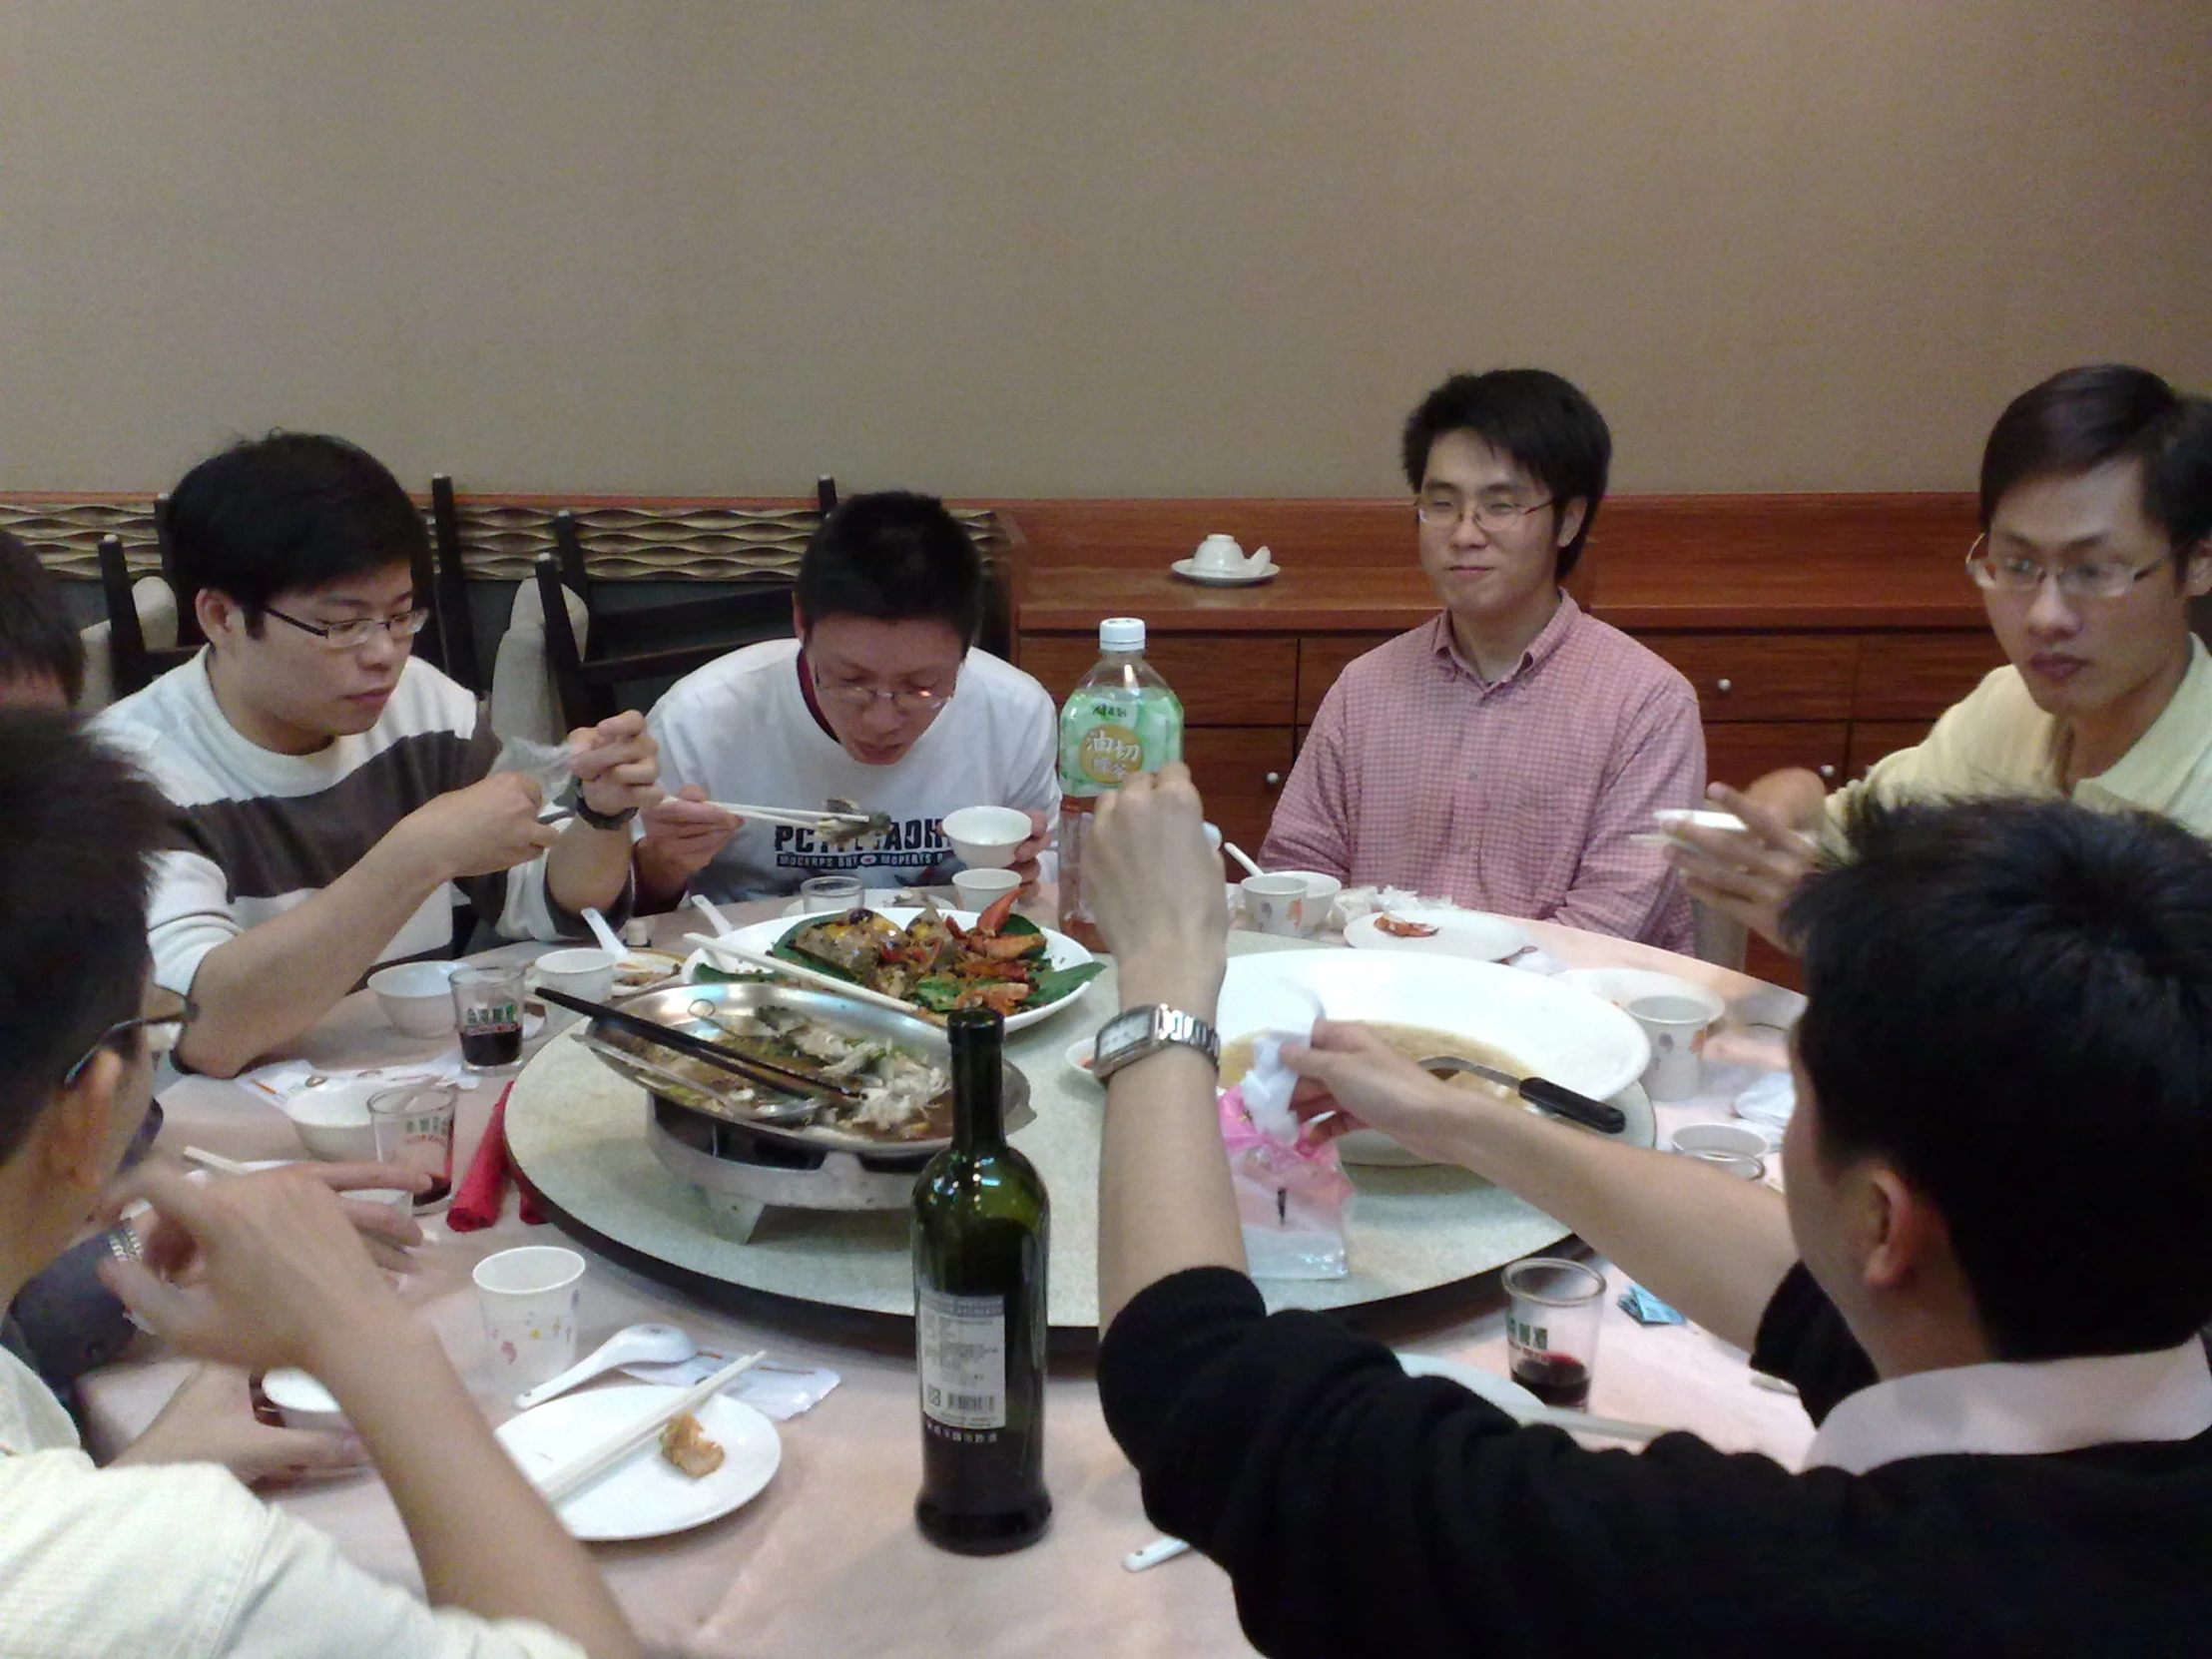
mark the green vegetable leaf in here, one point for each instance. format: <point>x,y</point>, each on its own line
<point>706,973</point>
<point>1060,982</point>
<point>1020,926</point>
<point>936,991</point>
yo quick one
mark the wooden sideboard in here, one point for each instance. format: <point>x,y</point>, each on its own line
<point>1818,631</point>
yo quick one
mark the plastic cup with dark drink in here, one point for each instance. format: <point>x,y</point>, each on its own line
<point>487,1005</point>
<point>414,1127</point>
<point>1551,1327</point>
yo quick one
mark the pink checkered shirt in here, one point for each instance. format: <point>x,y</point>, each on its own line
<point>1518,797</point>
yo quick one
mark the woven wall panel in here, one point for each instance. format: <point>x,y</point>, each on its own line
<point>499,539</point>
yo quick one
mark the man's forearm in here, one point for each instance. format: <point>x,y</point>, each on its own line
<point>484,1538</point>
<point>1712,1244</point>
<point>588,869</point>
<point>271,982</point>
<point>1164,1202</point>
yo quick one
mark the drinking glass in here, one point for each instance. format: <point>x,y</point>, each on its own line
<point>829,893</point>
<point>1551,1327</point>
<point>414,1127</point>
<point>487,1003</point>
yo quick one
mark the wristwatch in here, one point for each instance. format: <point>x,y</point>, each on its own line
<point>602,821</point>
<point>1135,1032</point>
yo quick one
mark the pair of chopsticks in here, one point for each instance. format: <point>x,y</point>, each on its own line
<point>727,954</point>
<point>763,1072</point>
<point>794,818</point>
<point>580,1468</point>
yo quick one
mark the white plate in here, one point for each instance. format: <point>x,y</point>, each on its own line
<point>1621,986</point>
<point>874,898</point>
<point>1671,819</point>
<point>646,1496</point>
<point>1474,935</point>
<point>1502,1391</point>
<point>1559,1031</point>
<point>1218,579</point>
<point>1059,950</point>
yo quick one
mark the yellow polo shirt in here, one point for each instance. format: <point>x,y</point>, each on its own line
<point>1998,742</point>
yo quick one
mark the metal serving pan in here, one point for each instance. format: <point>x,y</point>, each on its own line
<point>647,1066</point>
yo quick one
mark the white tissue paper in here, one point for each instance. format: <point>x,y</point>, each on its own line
<point>1290,1195</point>
<point>1768,1102</point>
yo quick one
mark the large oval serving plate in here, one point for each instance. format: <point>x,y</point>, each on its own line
<point>1556,1031</point>
<point>1059,950</point>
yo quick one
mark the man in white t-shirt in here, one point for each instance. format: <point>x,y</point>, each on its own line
<point>880,699</point>
<point>179,1559</point>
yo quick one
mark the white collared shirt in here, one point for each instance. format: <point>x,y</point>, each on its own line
<point>2020,1408</point>
<point>179,1561</point>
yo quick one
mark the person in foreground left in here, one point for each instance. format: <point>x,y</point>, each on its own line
<point>1985,1284</point>
<point>257,1270</point>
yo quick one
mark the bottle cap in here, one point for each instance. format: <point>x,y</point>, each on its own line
<point>1121,633</point>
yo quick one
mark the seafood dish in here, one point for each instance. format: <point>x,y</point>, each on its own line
<point>934,963</point>
<point>1399,928</point>
<point>687,1446</point>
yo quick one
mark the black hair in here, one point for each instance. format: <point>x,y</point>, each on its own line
<point>2010,1002</point>
<point>74,841</point>
<point>2083,418</point>
<point>289,513</point>
<point>1542,422</point>
<point>896,557</point>
<point>37,639</point>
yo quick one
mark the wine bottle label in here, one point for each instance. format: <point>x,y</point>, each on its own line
<point>961,1341</point>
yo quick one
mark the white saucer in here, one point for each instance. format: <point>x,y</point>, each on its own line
<point>1219,578</point>
<point>645,1496</point>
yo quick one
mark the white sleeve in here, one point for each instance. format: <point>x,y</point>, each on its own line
<point>300,1599</point>
<point>1035,780</point>
<point>187,913</point>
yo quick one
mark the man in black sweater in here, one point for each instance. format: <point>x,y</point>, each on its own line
<point>1986,1282</point>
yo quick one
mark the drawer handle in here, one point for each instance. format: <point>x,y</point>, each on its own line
<point>1275,780</point>
<point>1828,772</point>
<point>1724,686</point>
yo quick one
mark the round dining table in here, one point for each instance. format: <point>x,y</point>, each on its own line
<point>826,1560</point>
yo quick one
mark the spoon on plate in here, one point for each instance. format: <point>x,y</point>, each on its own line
<point>604,934</point>
<point>705,906</point>
<point>652,1344</point>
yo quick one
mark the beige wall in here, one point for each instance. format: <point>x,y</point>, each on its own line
<point>1142,247</point>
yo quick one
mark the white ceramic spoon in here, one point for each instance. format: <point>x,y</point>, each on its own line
<point>654,1344</point>
<point>1242,856</point>
<point>605,935</point>
<point>706,909</point>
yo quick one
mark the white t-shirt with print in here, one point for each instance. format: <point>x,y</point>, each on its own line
<point>740,728</point>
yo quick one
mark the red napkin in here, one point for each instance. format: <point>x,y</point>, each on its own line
<point>477,1199</point>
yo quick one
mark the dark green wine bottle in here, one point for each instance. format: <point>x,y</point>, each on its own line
<point>981,1234</point>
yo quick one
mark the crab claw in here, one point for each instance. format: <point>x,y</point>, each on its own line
<point>992,919</point>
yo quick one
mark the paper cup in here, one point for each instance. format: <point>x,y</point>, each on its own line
<point>588,973</point>
<point>529,1299</point>
<point>1676,1027</point>
<point>1274,903</point>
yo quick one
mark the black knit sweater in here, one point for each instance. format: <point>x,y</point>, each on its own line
<point>1362,1511</point>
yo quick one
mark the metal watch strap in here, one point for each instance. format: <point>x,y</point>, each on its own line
<point>1169,1028</point>
<point>603,820</point>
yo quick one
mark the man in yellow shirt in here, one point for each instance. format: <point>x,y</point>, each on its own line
<point>2096,521</point>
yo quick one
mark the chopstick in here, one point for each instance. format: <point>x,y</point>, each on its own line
<point>763,1072</point>
<point>580,1468</point>
<point>1581,1422</point>
<point>724,948</point>
<point>216,1161</point>
<point>796,817</point>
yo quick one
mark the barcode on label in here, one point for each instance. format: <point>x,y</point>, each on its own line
<point>960,1342</point>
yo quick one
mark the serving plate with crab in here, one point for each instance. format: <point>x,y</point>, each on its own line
<point>931,958</point>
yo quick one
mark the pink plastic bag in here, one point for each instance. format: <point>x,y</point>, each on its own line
<point>1291,1198</point>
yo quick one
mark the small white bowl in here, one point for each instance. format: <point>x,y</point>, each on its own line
<point>1321,898</point>
<point>417,998</point>
<point>1739,1138</point>
<point>984,838</point>
<point>332,1120</point>
<point>979,889</point>
<point>301,1400</point>
<point>1079,1059</point>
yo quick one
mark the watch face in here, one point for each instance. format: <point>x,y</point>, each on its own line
<point>1124,1030</point>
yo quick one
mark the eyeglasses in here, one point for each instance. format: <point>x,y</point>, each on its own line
<point>352,636</point>
<point>2090,579</point>
<point>163,1030</point>
<point>1443,512</point>
<point>907,700</point>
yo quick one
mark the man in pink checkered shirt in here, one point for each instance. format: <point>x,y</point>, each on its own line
<point>1508,755</point>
